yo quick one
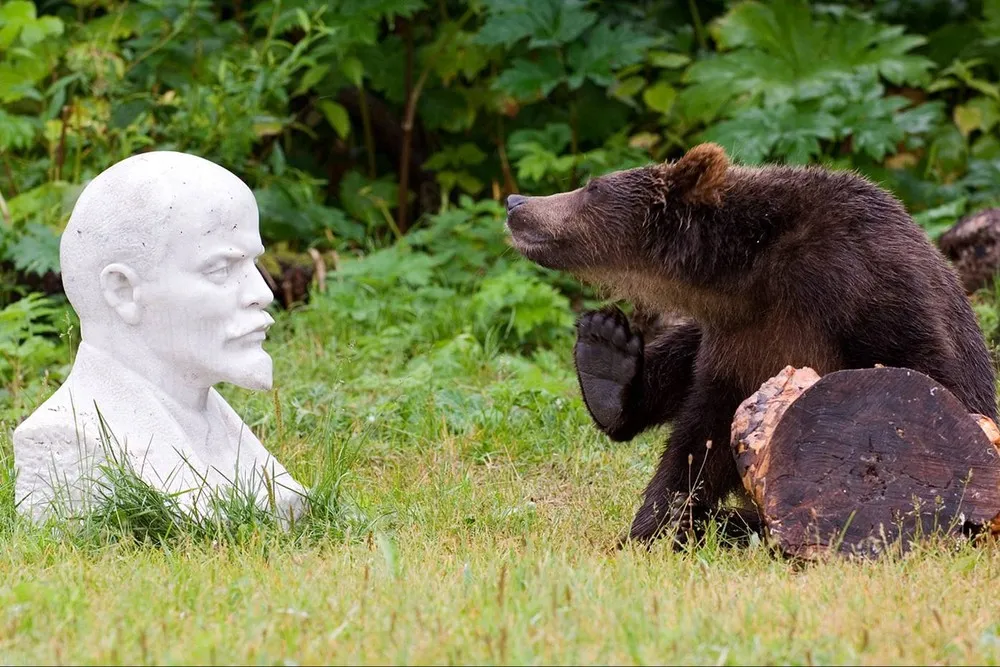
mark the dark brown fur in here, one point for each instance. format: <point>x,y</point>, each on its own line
<point>774,266</point>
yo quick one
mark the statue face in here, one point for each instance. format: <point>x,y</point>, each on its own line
<point>202,309</point>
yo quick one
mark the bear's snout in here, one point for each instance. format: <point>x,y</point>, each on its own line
<point>520,218</point>
<point>513,201</point>
<point>550,230</point>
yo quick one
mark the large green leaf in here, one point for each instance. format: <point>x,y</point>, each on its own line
<point>287,213</point>
<point>538,154</point>
<point>461,155</point>
<point>547,22</point>
<point>782,52</point>
<point>937,220</point>
<point>756,135</point>
<point>16,132</point>
<point>34,32</point>
<point>455,52</point>
<point>14,16</point>
<point>605,50</point>
<point>370,201</point>
<point>660,97</point>
<point>979,113</point>
<point>875,123</point>
<point>873,129</point>
<point>554,136</point>
<point>948,152</point>
<point>526,79</point>
<point>36,250</point>
<point>983,182</point>
<point>337,116</point>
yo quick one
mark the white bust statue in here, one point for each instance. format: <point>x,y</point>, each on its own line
<point>158,260</point>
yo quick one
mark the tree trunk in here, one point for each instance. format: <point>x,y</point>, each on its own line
<point>864,461</point>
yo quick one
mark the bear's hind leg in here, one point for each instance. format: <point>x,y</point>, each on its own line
<point>692,477</point>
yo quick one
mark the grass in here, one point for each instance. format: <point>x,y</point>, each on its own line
<point>466,514</point>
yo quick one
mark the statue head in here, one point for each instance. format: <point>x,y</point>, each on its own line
<point>159,261</point>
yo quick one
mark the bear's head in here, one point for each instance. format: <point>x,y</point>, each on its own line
<point>613,223</point>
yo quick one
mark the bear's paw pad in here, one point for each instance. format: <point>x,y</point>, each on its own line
<point>608,360</point>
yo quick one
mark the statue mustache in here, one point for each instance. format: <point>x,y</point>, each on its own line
<point>260,326</point>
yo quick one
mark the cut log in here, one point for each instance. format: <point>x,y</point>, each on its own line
<point>973,246</point>
<point>862,461</point>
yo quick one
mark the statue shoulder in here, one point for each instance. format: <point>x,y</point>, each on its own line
<point>63,417</point>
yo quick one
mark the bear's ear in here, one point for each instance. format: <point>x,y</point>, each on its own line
<point>699,176</point>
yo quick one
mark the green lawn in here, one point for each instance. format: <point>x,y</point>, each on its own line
<point>469,512</point>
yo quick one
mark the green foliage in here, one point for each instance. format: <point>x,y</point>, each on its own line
<point>292,212</point>
<point>310,101</point>
<point>794,85</point>
<point>27,340</point>
<point>573,45</point>
<point>462,255</point>
<point>33,353</point>
<point>450,165</point>
<point>784,51</point>
<point>517,302</point>
<point>367,200</point>
<point>544,24</point>
<point>126,508</point>
<point>541,159</point>
<point>27,49</point>
<point>938,219</point>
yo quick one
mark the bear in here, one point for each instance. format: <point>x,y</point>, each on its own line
<point>755,268</point>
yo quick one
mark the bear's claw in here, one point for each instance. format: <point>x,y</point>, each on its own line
<point>608,359</point>
<point>675,519</point>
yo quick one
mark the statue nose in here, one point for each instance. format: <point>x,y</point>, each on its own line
<point>513,201</point>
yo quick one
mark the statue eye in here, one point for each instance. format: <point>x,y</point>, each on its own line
<point>221,273</point>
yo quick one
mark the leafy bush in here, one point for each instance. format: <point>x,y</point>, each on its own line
<point>355,120</point>
<point>462,256</point>
<point>31,354</point>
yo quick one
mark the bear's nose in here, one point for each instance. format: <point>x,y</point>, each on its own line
<point>513,201</point>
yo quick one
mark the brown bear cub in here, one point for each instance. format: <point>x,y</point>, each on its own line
<point>769,266</point>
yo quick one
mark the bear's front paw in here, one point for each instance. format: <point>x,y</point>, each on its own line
<point>608,359</point>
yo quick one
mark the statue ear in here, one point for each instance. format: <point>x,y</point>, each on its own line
<point>700,175</point>
<point>120,286</point>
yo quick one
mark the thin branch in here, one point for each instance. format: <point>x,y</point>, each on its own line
<point>411,111</point>
<point>574,144</point>
<point>78,162</point>
<point>366,124</point>
<point>61,148</point>
<point>404,167</point>
<point>5,212</point>
<point>510,184</point>
<point>10,176</point>
<point>319,267</point>
<point>404,160</point>
<point>699,27</point>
